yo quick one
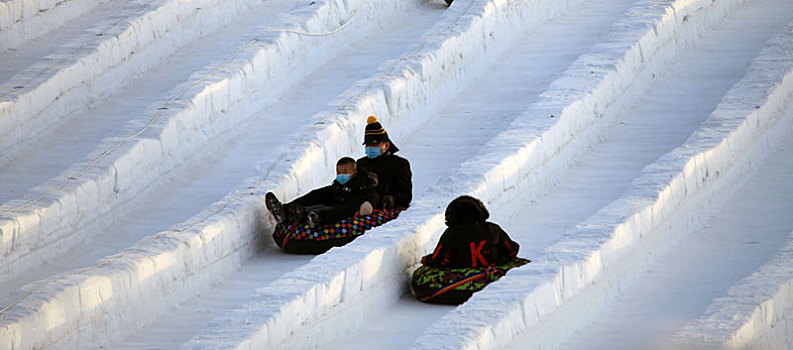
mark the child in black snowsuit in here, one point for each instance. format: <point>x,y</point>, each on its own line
<point>390,173</point>
<point>470,240</point>
<point>349,193</point>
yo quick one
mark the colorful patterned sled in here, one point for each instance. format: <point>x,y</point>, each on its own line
<point>300,239</point>
<point>454,286</point>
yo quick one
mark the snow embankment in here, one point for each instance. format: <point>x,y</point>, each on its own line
<point>213,101</point>
<point>23,20</point>
<point>128,290</point>
<point>102,60</point>
<point>97,62</point>
<point>672,195</point>
<point>512,166</point>
<point>755,313</point>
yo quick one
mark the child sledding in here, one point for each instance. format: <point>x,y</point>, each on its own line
<point>366,193</point>
<point>471,253</point>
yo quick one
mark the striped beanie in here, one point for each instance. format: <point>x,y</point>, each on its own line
<point>374,133</point>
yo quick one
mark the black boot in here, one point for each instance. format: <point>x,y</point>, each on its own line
<point>275,207</point>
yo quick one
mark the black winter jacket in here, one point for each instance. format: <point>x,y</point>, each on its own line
<point>393,177</point>
<point>476,244</point>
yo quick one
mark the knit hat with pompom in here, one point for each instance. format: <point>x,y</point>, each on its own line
<point>375,134</point>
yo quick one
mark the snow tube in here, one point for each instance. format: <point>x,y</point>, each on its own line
<point>301,239</point>
<point>441,285</point>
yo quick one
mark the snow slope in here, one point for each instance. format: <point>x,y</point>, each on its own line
<point>77,281</point>
<point>100,60</point>
<point>135,158</point>
<point>121,167</point>
<point>754,314</point>
<point>581,272</point>
<point>24,20</point>
<point>323,288</point>
<point>677,286</point>
<point>680,280</point>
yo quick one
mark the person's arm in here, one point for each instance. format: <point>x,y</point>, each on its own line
<point>440,257</point>
<point>367,190</point>
<point>366,201</point>
<point>402,190</point>
<point>507,248</point>
<point>371,196</point>
<point>353,204</point>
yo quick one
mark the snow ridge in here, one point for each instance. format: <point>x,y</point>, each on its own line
<point>615,243</point>
<point>755,313</point>
<point>90,305</point>
<point>168,134</point>
<point>126,291</point>
<point>23,20</point>
<point>376,263</point>
<point>306,293</point>
<point>101,60</point>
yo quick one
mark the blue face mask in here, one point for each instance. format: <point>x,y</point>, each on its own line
<point>373,152</point>
<point>343,178</point>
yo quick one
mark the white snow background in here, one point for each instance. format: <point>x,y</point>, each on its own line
<point>137,140</point>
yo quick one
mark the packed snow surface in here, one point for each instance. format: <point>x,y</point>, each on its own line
<point>681,282</point>
<point>638,150</point>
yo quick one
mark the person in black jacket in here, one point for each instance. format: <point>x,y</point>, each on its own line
<point>390,174</point>
<point>349,193</point>
<point>470,240</point>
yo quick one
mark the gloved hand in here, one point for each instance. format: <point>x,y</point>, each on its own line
<point>388,201</point>
<point>373,180</point>
<point>366,208</point>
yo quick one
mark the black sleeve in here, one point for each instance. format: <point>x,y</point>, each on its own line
<point>442,254</point>
<point>353,204</point>
<point>342,211</point>
<point>371,196</point>
<point>366,191</point>
<point>403,184</point>
<point>321,195</point>
<point>507,248</point>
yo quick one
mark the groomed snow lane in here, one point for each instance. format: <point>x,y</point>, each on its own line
<point>463,124</point>
<point>457,128</point>
<point>682,281</point>
<point>249,148</point>
<point>486,108</point>
<point>63,147</point>
<point>680,284</point>
<point>24,21</point>
<point>253,149</point>
<point>368,274</point>
<point>680,99</point>
<point>100,61</point>
<point>13,60</point>
<point>58,149</point>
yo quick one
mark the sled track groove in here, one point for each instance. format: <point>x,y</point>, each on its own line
<point>114,265</point>
<point>199,271</point>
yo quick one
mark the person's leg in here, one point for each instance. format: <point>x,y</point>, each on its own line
<point>295,212</point>
<point>316,215</point>
<point>275,207</point>
<point>337,213</point>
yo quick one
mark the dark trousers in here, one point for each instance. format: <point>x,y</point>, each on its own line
<point>327,214</point>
